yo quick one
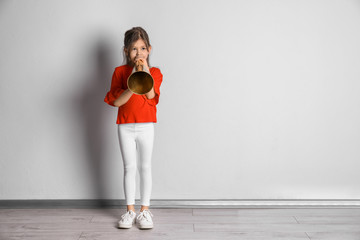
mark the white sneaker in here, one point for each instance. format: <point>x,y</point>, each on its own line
<point>127,219</point>
<point>144,220</point>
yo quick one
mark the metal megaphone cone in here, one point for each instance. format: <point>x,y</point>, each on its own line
<point>140,81</point>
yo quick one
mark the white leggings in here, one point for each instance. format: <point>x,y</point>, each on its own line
<point>137,138</point>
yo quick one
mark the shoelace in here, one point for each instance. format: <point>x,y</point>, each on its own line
<point>145,215</point>
<point>126,216</point>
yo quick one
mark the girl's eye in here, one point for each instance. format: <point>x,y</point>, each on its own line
<point>143,48</point>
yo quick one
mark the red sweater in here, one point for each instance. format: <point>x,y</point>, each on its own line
<point>139,108</point>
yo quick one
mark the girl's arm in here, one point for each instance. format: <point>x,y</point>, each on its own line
<point>151,94</point>
<point>123,98</point>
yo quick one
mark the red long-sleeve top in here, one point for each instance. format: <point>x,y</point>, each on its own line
<point>139,108</point>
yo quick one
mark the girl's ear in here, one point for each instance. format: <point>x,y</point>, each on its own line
<point>149,49</point>
<point>126,52</point>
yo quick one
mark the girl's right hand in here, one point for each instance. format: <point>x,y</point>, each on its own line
<point>142,62</point>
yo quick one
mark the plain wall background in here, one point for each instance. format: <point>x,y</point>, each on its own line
<point>260,99</point>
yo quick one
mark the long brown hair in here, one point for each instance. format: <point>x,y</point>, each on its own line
<point>131,36</point>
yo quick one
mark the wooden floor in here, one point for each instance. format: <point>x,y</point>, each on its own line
<point>185,223</point>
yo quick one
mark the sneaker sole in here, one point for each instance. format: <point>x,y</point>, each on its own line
<point>126,225</point>
<point>146,227</point>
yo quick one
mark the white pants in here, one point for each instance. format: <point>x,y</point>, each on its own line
<point>137,139</point>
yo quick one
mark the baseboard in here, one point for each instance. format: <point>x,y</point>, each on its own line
<point>183,203</point>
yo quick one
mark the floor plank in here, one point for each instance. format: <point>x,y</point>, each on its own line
<point>279,212</point>
<point>45,219</point>
<point>334,235</point>
<point>329,220</point>
<point>286,228</point>
<point>41,236</point>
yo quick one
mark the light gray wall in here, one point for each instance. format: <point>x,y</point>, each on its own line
<point>260,99</point>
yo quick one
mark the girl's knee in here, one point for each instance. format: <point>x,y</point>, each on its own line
<point>130,168</point>
<point>145,168</point>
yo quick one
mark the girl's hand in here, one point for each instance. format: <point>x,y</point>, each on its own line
<point>143,62</point>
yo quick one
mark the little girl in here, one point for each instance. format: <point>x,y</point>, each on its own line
<point>135,119</point>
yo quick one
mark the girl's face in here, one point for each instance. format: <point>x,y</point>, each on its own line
<point>138,50</point>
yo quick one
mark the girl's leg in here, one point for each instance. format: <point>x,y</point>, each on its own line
<point>127,142</point>
<point>144,208</point>
<point>145,141</point>
<point>130,207</point>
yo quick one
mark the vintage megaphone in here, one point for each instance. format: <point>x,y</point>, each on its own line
<point>140,81</point>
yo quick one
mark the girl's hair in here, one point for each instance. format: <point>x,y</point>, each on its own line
<point>131,36</point>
